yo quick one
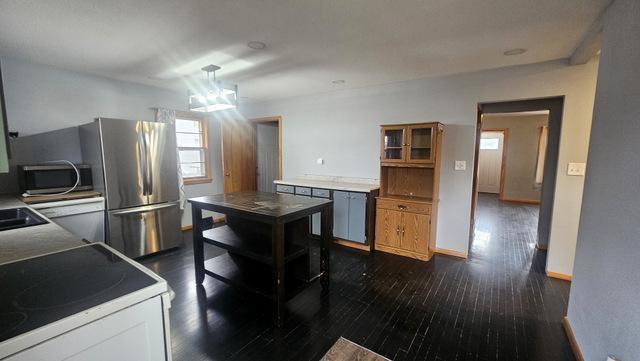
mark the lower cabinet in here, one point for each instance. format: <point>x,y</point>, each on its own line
<point>134,333</point>
<point>350,219</point>
<point>404,233</point>
<point>349,216</point>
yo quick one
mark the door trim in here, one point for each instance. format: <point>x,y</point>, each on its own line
<point>273,119</point>
<point>555,106</point>
<point>503,161</point>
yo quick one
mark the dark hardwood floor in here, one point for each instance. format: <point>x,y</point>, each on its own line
<point>497,305</point>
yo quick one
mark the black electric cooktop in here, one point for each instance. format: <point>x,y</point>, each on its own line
<point>37,291</point>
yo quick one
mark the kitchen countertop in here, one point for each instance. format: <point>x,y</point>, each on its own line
<point>26,242</point>
<point>363,185</point>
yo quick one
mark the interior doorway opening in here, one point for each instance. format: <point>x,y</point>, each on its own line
<point>251,153</point>
<point>516,159</point>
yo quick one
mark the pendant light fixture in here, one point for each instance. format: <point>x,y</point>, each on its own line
<point>216,95</point>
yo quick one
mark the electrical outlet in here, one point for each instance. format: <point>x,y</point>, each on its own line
<point>460,165</point>
<point>320,161</point>
<point>576,169</point>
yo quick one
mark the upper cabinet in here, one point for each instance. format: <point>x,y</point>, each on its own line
<point>412,144</point>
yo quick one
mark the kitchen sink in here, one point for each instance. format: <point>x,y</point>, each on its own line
<point>19,217</point>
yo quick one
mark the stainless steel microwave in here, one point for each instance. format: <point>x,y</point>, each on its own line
<point>53,178</point>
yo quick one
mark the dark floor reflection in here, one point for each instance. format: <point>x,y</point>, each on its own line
<point>497,305</point>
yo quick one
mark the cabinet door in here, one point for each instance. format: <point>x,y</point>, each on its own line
<point>341,214</point>
<point>388,225</point>
<point>415,232</point>
<point>420,143</point>
<point>357,217</point>
<point>392,144</point>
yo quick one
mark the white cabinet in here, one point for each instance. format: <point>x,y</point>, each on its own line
<point>349,216</point>
<point>132,334</point>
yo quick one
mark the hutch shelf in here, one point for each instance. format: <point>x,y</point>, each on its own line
<point>407,206</point>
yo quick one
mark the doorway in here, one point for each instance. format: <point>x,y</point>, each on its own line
<point>251,153</point>
<point>266,156</point>
<point>490,160</point>
<point>541,178</point>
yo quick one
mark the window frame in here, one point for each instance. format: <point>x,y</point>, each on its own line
<point>204,125</point>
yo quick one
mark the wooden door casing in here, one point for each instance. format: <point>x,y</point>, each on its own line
<point>238,155</point>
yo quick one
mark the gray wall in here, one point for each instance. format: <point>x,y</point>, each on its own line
<point>604,304</point>
<point>343,128</point>
<point>41,98</point>
<point>522,153</point>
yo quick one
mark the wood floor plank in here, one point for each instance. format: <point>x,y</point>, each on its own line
<point>496,305</point>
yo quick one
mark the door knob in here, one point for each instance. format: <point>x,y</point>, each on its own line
<point>227,174</point>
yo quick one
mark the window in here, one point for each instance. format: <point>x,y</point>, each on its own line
<point>191,135</point>
<point>489,143</point>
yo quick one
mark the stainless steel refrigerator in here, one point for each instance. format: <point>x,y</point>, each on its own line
<point>134,165</point>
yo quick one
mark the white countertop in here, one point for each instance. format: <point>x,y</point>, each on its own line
<point>26,242</point>
<point>364,185</point>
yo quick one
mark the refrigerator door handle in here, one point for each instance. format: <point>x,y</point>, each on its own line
<point>142,151</point>
<point>149,167</point>
<point>145,208</point>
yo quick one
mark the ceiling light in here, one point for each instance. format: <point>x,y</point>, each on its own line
<point>339,81</point>
<point>257,45</point>
<point>215,95</point>
<point>516,51</point>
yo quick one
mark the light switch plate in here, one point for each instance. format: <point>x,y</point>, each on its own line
<point>320,161</point>
<point>460,165</point>
<point>576,169</point>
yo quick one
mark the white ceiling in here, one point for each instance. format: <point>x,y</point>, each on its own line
<point>309,42</point>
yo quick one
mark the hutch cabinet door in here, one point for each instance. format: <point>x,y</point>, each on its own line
<point>388,226</point>
<point>415,232</point>
<point>341,214</point>
<point>420,145</point>
<point>392,144</point>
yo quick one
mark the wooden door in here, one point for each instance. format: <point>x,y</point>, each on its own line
<point>490,162</point>
<point>238,155</point>
<point>392,144</point>
<point>415,232</point>
<point>388,227</point>
<point>420,143</point>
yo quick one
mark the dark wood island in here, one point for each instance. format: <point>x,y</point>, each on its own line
<point>266,237</point>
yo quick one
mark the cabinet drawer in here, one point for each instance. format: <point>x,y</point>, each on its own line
<point>320,193</point>
<point>407,206</point>
<point>303,191</point>
<point>282,188</point>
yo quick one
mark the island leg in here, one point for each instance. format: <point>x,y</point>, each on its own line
<point>198,245</point>
<point>325,245</point>
<point>277,249</point>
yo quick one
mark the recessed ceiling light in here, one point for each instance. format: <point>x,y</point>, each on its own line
<point>257,45</point>
<point>339,81</point>
<point>516,51</point>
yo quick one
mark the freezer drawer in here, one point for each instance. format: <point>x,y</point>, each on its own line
<point>143,230</point>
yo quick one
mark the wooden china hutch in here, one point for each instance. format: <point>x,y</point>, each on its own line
<point>407,207</point>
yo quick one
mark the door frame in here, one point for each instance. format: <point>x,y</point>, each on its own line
<point>278,120</point>
<point>503,161</point>
<point>555,106</point>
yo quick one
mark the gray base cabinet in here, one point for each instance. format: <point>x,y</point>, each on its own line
<point>352,215</point>
<point>349,216</point>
